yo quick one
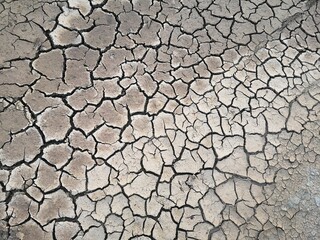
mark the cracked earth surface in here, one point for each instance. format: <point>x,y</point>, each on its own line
<point>146,119</point>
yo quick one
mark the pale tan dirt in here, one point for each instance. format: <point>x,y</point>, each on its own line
<point>148,119</point>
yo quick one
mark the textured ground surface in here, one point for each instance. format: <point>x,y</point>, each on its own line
<point>145,119</point>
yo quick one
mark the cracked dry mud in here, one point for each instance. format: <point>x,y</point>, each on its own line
<point>147,119</point>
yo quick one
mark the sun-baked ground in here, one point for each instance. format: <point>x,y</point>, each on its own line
<point>147,119</point>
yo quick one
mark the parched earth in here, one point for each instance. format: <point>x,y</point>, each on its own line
<point>149,119</point>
